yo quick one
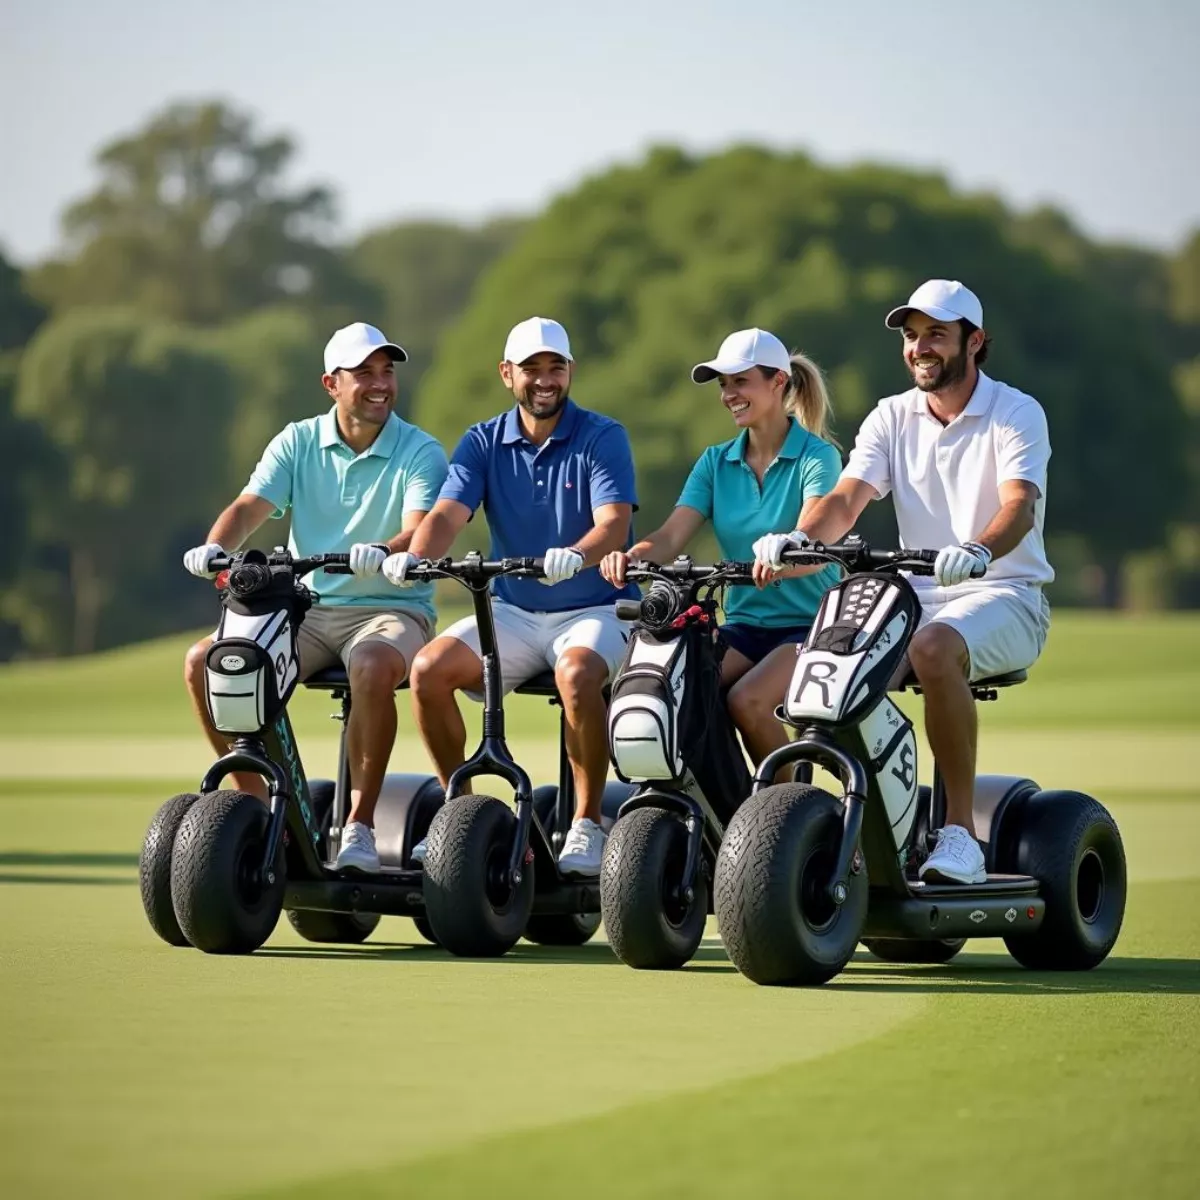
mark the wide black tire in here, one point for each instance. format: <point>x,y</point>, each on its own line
<point>471,907</point>
<point>906,950</point>
<point>562,929</point>
<point>154,868</point>
<point>221,904</point>
<point>1071,845</point>
<point>648,925</point>
<point>777,922</point>
<point>426,930</point>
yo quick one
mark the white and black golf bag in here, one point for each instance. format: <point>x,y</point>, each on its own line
<point>252,666</point>
<point>667,723</point>
<point>855,647</point>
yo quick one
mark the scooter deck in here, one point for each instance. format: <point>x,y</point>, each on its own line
<point>996,885</point>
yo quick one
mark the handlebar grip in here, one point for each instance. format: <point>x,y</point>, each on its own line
<point>338,569</point>
<point>629,610</point>
<point>926,556</point>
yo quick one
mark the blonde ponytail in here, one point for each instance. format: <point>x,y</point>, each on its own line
<point>807,399</point>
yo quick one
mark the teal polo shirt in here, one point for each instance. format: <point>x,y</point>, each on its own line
<point>724,489</point>
<point>337,498</point>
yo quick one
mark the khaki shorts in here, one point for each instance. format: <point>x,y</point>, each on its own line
<point>331,632</point>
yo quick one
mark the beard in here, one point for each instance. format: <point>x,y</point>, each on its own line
<point>541,410</point>
<point>952,371</point>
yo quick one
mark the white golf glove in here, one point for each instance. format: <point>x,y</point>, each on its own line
<point>957,564</point>
<point>770,548</point>
<point>561,564</point>
<point>367,557</point>
<point>198,557</point>
<point>397,566</point>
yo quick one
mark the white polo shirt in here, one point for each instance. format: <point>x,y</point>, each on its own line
<point>945,479</point>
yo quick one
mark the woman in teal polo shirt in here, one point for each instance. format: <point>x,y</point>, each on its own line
<point>761,482</point>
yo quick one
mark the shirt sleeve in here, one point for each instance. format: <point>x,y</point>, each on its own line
<point>466,479</point>
<point>1023,447</point>
<point>698,490</point>
<point>424,478</point>
<point>820,473</point>
<point>272,478</point>
<point>871,458</point>
<point>610,469</point>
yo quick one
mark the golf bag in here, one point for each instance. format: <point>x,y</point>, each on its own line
<point>252,666</point>
<point>667,719</point>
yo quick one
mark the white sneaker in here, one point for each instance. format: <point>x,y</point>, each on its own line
<point>418,852</point>
<point>956,858</point>
<point>583,849</point>
<point>358,851</point>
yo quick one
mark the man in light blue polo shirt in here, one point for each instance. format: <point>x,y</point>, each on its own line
<point>555,480</point>
<point>358,479</point>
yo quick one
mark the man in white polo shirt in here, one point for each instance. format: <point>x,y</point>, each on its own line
<point>965,459</point>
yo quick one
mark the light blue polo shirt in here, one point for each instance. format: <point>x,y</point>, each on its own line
<point>538,497</point>
<point>337,498</point>
<point>723,488</point>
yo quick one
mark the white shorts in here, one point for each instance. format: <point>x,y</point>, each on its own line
<point>531,642</point>
<point>1004,625</point>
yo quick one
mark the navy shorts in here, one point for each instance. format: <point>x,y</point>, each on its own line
<point>755,642</point>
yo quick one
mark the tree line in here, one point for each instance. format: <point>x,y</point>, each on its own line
<point>144,369</point>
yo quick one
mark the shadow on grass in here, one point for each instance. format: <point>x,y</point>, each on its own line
<point>70,880</point>
<point>34,858</point>
<point>88,863</point>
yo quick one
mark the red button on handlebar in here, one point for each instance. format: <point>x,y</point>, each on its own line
<point>221,582</point>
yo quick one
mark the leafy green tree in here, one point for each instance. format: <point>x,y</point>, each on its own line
<point>650,266</point>
<point>424,271</point>
<point>136,414</point>
<point>192,222</point>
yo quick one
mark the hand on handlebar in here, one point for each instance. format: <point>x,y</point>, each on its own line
<point>198,558</point>
<point>769,551</point>
<point>366,558</point>
<point>396,567</point>
<point>614,565</point>
<point>560,564</point>
<point>957,564</point>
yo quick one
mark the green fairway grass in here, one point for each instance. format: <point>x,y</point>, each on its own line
<point>130,1068</point>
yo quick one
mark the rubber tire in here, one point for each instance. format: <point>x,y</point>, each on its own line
<point>470,837</point>
<point>562,929</point>
<point>318,926</point>
<point>426,930</point>
<point>219,835</point>
<point>154,868</point>
<point>910,950</point>
<point>781,840</point>
<point>643,857</point>
<point>1056,832</point>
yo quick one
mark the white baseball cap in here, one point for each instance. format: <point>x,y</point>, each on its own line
<point>352,345</point>
<point>942,299</point>
<point>742,350</point>
<point>538,335</point>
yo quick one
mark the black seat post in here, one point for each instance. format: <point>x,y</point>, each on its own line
<point>341,790</point>
<point>566,785</point>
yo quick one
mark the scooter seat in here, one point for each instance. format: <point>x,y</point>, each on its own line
<point>541,684</point>
<point>1005,679</point>
<point>332,679</point>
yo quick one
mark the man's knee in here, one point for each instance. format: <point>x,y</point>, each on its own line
<point>580,675</point>
<point>444,666</point>
<point>375,669</point>
<point>938,653</point>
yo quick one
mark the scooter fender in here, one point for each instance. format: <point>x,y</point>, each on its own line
<point>998,802</point>
<point>407,805</point>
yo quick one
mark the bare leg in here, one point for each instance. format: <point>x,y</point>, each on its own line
<point>442,668</point>
<point>193,676</point>
<point>376,670</point>
<point>580,674</point>
<point>733,666</point>
<point>753,701</point>
<point>941,663</point>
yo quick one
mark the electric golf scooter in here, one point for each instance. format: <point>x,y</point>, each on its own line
<point>217,866</point>
<point>491,872</point>
<point>802,876</point>
<point>669,733</point>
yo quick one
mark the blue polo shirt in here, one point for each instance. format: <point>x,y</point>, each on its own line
<point>723,488</point>
<point>337,498</point>
<point>539,497</point>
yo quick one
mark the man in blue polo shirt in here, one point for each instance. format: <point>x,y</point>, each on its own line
<point>356,478</point>
<point>555,480</point>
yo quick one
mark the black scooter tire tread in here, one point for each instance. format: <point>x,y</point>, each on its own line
<point>203,875</point>
<point>766,846</point>
<point>314,925</point>
<point>910,950</point>
<point>457,906</point>
<point>1052,827</point>
<point>562,929</point>
<point>631,893</point>
<point>154,868</point>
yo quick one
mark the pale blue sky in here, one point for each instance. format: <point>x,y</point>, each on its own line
<point>465,109</point>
